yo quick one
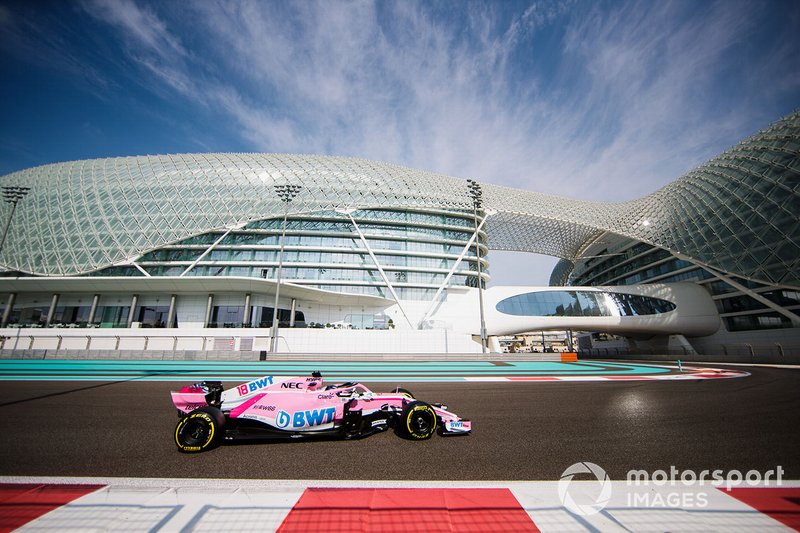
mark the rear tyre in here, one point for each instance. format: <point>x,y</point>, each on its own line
<point>418,421</point>
<point>200,430</point>
<point>404,392</point>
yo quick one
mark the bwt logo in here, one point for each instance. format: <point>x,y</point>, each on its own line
<point>312,417</point>
<point>254,385</point>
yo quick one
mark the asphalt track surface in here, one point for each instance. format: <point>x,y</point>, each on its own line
<point>522,431</point>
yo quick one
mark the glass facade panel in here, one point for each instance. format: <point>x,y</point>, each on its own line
<point>29,316</point>
<point>605,271</point>
<point>77,315</point>
<point>325,247</point>
<point>118,271</point>
<point>582,304</point>
<point>757,321</point>
<point>786,298</point>
<point>113,316</point>
<point>227,316</point>
<point>736,304</point>
<point>151,316</point>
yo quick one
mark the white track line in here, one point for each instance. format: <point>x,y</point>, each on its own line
<point>136,504</point>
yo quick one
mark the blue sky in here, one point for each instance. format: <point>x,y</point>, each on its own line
<point>593,100</point>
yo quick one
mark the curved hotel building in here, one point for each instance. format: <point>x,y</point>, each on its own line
<point>193,251</point>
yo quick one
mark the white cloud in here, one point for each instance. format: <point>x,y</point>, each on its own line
<point>150,45</point>
<point>140,25</point>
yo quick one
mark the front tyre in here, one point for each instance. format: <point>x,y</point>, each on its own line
<point>404,392</point>
<point>418,420</point>
<point>200,430</point>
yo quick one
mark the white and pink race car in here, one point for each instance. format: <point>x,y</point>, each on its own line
<point>299,407</point>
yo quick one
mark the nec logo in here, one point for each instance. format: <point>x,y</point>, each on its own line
<point>290,385</point>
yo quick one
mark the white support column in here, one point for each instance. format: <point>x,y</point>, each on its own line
<point>246,318</point>
<point>93,310</point>
<point>292,312</point>
<point>209,308</point>
<point>795,320</point>
<point>380,269</point>
<point>52,311</point>
<point>132,312</point>
<point>171,313</point>
<point>432,306</point>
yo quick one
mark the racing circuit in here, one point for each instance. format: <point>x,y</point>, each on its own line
<point>531,420</point>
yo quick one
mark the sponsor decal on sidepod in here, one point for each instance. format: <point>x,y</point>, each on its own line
<point>311,417</point>
<point>254,385</point>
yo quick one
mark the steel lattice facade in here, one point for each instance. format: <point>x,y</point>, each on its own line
<point>738,213</point>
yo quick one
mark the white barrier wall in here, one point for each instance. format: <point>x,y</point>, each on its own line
<point>299,340</point>
<point>74,343</point>
<point>102,343</point>
<point>382,341</point>
<point>189,343</point>
<point>160,343</point>
<point>44,343</point>
<point>131,343</point>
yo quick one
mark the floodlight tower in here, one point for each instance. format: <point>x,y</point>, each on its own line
<point>12,195</point>
<point>286,193</point>
<point>476,193</point>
